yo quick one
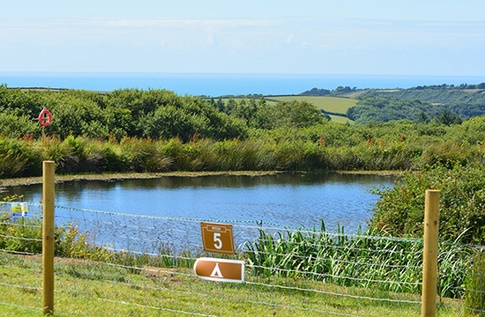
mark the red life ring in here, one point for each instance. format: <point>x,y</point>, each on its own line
<point>45,117</point>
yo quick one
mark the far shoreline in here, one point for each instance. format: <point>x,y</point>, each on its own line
<point>26,181</point>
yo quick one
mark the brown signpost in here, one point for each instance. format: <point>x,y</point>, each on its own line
<point>220,270</point>
<point>217,237</point>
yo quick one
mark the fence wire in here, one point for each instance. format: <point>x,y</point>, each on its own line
<point>144,265</point>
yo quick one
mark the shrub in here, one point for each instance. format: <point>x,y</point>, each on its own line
<point>144,155</point>
<point>20,234</point>
<point>400,210</point>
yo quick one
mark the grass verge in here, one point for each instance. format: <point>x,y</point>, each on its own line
<point>87,288</point>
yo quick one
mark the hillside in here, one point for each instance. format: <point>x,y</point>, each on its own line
<point>446,95</point>
<point>444,103</point>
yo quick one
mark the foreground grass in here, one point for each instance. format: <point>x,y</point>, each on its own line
<point>85,288</point>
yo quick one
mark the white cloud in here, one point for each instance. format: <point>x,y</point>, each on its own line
<point>241,44</point>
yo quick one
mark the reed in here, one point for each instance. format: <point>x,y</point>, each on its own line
<point>18,157</point>
<point>313,148</point>
<point>364,260</point>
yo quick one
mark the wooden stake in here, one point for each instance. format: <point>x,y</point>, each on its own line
<point>48,237</point>
<point>430,253</point>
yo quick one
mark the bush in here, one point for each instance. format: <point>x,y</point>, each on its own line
<point>20,234</point>
<point>400,210</point>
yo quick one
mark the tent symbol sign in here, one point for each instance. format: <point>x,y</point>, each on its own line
<point>220,270</point>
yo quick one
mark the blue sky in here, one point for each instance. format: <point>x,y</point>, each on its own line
<point>411,37</point>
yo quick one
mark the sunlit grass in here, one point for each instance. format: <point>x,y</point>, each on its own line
<point>284,277</point>
<point>330,104</point>
<point>340,119</point>
<point>88,288</point>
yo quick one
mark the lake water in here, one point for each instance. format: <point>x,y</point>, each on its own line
<point>297,200</point>
<point>165,214</point>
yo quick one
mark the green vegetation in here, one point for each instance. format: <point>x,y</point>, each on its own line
<point>372,109</point>
<point>439,146</point>
<point>366,260</point>
<point>90,288</point>
<point>156,114</point>
<point>337,105</point>
<point>327,146</point>
<point>335,108</point>
<point>442,103</point>
<point>462,211</point>
<point>442,94</point>
<point>475,299</point>
<point>104,280</point>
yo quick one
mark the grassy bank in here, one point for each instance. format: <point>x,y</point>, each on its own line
<point>88,288</point>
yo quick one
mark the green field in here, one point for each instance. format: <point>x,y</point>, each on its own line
<point>340,119</point>
<point>336,105</point>
<point>330,104</point>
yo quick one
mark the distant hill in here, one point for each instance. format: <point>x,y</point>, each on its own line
<point>443,94</point>
<point>446,103</point>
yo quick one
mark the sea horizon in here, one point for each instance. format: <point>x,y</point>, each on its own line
<point>222,84</point>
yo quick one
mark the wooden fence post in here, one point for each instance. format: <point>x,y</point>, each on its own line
<point>430,253</point>
<point>48,237</point>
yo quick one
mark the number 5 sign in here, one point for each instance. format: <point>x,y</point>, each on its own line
<point>217,237</point>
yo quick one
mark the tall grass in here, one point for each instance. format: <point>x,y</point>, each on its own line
<point>475,285</point>
<point>365,260</point>
<point>326,147</point>
<point>18,157</point>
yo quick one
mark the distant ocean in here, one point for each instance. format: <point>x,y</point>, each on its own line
<point>223,84</point>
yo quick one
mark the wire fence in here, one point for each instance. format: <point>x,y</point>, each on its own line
<point>143,266</point>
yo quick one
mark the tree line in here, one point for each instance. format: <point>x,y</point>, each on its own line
<point>157,114</point>
<point>444,94</point>
<point>373,109</point>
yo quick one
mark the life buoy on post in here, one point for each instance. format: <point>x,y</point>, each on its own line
<point>45,117</point>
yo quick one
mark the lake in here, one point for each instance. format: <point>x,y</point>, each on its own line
<point>288,199</point>
<point>164,215</point>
